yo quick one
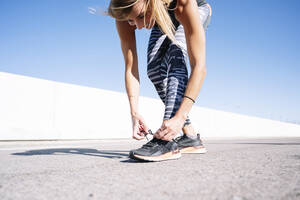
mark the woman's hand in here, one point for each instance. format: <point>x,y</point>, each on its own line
<point>139,127</point>
<point>170,128</point>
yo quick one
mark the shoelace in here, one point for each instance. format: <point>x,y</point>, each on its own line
<point>150,143</point>
<point>151,133</point>
<point>178,138</point>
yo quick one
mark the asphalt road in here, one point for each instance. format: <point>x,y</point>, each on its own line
<point>235,169</point>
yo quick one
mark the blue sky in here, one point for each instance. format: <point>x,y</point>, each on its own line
<point>252,52</point>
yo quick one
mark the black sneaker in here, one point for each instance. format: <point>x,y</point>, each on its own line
<point>190,145</point>
<point>156,150</point>
<point>144,148</point>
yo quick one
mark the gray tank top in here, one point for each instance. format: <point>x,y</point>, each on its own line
<point>173,5</point>
<point>174,2</point>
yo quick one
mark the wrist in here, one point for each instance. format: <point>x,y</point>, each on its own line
<point>181,116</point>
<point>133,102</point>
<point>134,114</point>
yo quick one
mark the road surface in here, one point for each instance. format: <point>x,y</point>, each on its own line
<point>235,169</point>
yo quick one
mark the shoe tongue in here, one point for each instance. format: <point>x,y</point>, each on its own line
<point>191,136</point>
<point>179,138</point>
<point>151,142</point>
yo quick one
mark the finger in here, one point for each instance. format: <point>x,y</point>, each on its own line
<point>144,126</point>
<point>136,134</point>
<point>168,137</point>
<point>157,134</point>
<point>140,128</point>
<point>144,133</point>
<point>165,138</point>
<point>163,133</point>
<point>137,137</point>
<point>144,130</point>
<point>141,134</point>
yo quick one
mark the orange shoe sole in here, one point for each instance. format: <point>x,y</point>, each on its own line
<point>194,150</point>
<point>166,156</point>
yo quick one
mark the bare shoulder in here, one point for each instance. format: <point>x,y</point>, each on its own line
<point>126,31</point>
<point>183,7</point>
<point>182,2</point>
<point>123,26</point>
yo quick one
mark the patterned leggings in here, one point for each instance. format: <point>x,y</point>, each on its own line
<point>166,65</point>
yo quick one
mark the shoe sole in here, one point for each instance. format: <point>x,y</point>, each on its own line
<point>193,150</point>
<point>166,156</point>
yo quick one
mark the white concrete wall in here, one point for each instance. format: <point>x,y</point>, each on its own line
<point>35,109</point>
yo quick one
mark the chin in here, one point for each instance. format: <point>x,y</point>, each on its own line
<point>150,26</point>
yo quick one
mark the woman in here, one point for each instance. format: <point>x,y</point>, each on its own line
<point>177,34</point>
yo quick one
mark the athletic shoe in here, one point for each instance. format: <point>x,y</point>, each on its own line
<point>190,145</point>
<point>156,150</point>
<point>145,148</point>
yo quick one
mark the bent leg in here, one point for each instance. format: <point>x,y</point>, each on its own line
<point>177,78</point>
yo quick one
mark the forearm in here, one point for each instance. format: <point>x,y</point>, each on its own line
<point>132,88</point>
<point>128,45</point>
<point>192,90</point>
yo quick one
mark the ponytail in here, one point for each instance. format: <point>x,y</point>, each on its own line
<point>159,11</point>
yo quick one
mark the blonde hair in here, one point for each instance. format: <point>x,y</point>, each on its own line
<point>120,9</point>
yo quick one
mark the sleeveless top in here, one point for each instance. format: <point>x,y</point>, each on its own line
<point>173,6</point>
<point>174,2</point>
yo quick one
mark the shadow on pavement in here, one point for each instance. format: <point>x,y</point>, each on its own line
<point>114,154</point>
<point>81,151</point>
<point>135,161</point>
